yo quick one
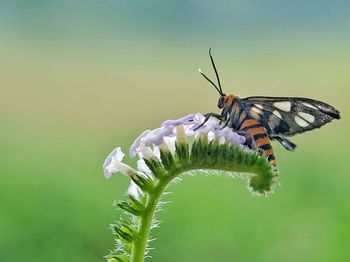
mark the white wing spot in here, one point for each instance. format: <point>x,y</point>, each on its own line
<point>307,117</point>
<point>309,105</point>
<point>284,106</point>
<point>276,113</point>
<point>257,110</point>
<point>259,106</point>
<point>301,122</point>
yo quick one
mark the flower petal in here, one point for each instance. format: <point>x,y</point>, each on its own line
<point>134,190</point>
<point>146,152</point>
<point>157,135</point>
<point>108,165</point>
<point>179,121</point>
<point>231,136</point>
<point>210,129</point>
<point>141,166</point>
<point>198,119</point>
<point>134,149</point>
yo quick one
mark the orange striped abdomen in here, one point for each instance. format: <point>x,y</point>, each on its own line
<point>257,132</point>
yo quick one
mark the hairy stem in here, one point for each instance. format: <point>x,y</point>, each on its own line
<point>145,222</point>
<point>202,156</point>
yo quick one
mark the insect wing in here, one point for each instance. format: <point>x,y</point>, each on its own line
<point>287,116</point>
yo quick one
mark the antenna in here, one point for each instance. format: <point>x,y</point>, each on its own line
<point>217,75</point>
<point>216,72</point>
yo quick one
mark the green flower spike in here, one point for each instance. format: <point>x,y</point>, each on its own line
<point>177,147</point>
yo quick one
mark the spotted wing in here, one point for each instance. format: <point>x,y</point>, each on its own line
<point>287,116</point>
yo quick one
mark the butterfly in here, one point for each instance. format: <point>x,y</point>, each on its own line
<point>262,119</point>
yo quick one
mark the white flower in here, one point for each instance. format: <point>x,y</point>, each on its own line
<point>146,152</point>
<point>211,125</point>
<point>184,120</point>
<point>136,144</point>
<point>164,138</point>
<point>161,136</point>
<point>154,137</point>
<point>113,164</point>
<point>232,137</point>
<point>134,190</point>
<point>141,166</point>
<point>168,145</point>
<point>109,166</point>
<point>157,135</point>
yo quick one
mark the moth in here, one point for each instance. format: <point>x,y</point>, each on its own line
<point>262,119</point>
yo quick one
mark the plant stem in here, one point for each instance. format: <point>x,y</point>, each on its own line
<point>228,159</point>
<point>145,223</point>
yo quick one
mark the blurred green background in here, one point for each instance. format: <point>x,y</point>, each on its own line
<point>79,77</point>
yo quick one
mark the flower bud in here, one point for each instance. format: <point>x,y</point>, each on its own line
<point>151,160</point>
<point>146,152</point>
<point>144,183</point>
<point>168,145</point>
<point>180,135</point>
<point>125,233</point>
<point>129,207</point>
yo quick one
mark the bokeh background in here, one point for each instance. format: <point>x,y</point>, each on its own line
<point>78,78</point>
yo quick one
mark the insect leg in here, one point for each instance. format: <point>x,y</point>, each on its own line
<point>217,116</point>
<point>226,123</point>
<point>207,118</point>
